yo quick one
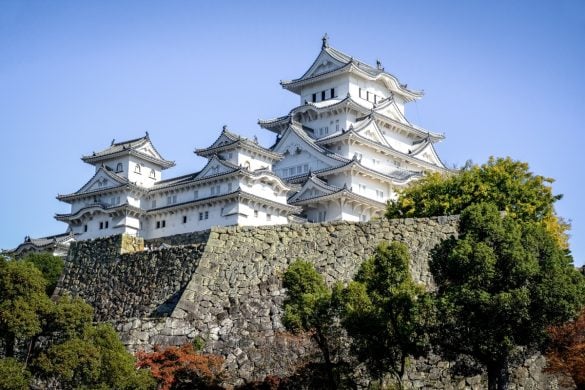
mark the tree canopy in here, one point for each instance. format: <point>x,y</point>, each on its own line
<point>55,341</point>
<point>500,285</point>
<point>307,308</point>
<point>504,182</point>
<point>385,311</point>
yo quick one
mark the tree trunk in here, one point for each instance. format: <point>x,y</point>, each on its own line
<point>9,341</point>
<point>498,375</point>
<point>324,346</point>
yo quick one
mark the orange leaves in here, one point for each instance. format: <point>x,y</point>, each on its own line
<point>566,354</point>
<point>173,365</point>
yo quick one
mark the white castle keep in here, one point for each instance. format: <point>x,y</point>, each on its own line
<point>340,155</point>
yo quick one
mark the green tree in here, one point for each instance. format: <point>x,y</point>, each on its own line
<point>307,308</point>
<point>23,303</point>
<point>386,312</point>
<point>73,353</point>
<point>506,183</point>
<point>95,359</point>
<point>13,375</point>
<point>500,285</point>
<point>50,266</point>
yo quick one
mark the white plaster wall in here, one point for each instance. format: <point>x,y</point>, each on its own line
<point>264,190</point>
<point>340,83</point>
<point>245,159</point>
<point>143,178</point>
<point>300,159</point>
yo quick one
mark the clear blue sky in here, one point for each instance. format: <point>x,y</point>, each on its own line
<point>503,78</point>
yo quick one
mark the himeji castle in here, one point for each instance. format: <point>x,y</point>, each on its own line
<point>341,154</point>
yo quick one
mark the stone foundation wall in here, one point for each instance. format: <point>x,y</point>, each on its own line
<point>121,286</point>
<point>229,292</point>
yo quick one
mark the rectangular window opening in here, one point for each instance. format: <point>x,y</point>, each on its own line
<point>184,219</point>
<point>332,93</point>
<point>314,97</point>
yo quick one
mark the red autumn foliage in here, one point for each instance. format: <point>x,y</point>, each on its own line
<point>566,353</point>
<point>173,367</point>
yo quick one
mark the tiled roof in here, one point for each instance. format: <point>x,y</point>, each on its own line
<point>127,147</point>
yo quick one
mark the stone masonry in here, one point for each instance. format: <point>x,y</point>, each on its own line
<point>225,286</point>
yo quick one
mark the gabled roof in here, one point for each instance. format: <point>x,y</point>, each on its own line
<point>295,130</point>
<point>368,110</point>
<point>236,195</point>
<point>102,172</point>
<point>230,141</point>
<point>313,182</point>
<point>101,207</point>
<point>340,193</point>
<point>331,62</point>
<point>411,157</point>
<point>43,243</point>
<point>398,176</point>
<point>230,170</point>
<point>139,147</point>
<point>222,167</point>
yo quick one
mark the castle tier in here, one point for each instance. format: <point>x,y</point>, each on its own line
<point>340,155</point>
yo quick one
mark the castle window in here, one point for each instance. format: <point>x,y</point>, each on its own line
<point>101,225</point>
<point>368,95</point>
<point>332,93</point>
<point>207,215</point>
<point>360,92</point>
<point>215,190</point>
<point>107,224</point>
<point>196,194</point>
<point>171,199</point>
<point>255,213</point>
<point>337,125</point>
<point>363,217</point>
<point>119,168</point>
<point>380,194</point>
<point>137,169</point>
<point>184,219</point>
<point>152,174</point>
<point>153,204</point>
<point>269,217</point>
<point>85,228</point>
<point>322,95</point>
<point>314,97</point>
<point>158,224</point>
<point>164,223</point>
<point>201,216</point>
<point>229,187</point>
<point>322,216</point>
